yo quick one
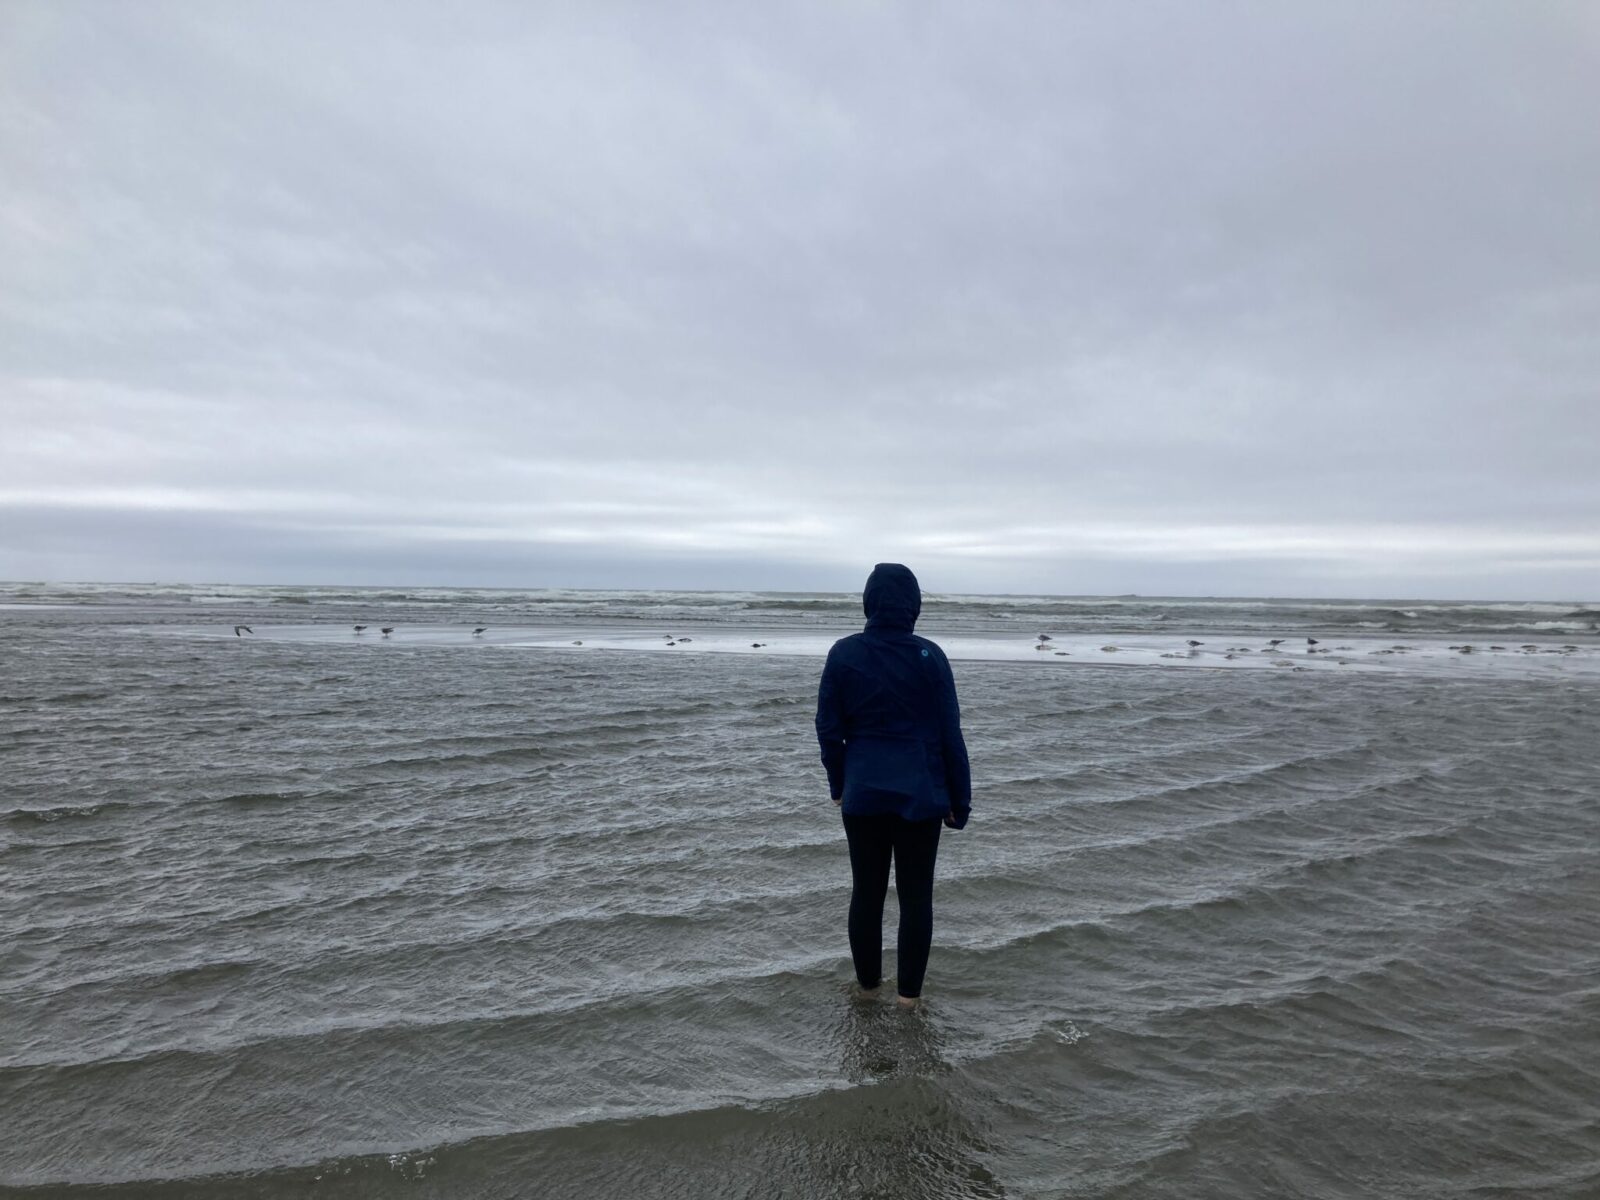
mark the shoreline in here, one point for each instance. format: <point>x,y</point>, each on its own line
<point>1345,654</point>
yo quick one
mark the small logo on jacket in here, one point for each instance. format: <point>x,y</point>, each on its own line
<point>924,654</point>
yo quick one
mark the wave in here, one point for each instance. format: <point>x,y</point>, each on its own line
<point>676,999</point>
<point>817,1137</point>
<point>50,814</point>
<point>88,696</point>
<point>1108,614</point>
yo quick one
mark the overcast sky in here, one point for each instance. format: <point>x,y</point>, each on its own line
<point>1069,297</point>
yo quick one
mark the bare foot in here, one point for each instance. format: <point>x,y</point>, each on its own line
<point>908,1003</point>
<point>870,993</point>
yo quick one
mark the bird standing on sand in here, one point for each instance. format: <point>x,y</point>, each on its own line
<point>241,630</point>
<point>1311,641</point>
<point>1044,637</point>
<point>359,628</point>
<point>1192,643</point>
<point>479,630</point>
<point>386,630</point>
<point>1274,641</point>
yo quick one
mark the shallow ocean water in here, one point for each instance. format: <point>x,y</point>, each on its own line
<point>281,917</point>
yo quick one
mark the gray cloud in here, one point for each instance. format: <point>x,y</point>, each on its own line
<point>1099,298</point>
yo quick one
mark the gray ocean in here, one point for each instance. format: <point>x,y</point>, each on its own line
<point>304,911</point>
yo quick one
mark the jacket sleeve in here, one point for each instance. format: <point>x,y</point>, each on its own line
<point>957,770</point>
<point>830,727</point>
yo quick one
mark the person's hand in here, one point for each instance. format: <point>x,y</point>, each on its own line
<point>838,800</point>
<point>950,818</point>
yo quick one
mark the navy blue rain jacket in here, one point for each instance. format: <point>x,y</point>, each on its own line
<point>887,717</point>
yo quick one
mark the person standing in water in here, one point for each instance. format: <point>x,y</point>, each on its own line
<point>890,730</point>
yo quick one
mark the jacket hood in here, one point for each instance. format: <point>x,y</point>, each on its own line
<point>892,599</point>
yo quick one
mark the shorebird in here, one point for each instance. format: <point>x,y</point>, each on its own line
<point>686,639</point>
<point>479,630</point>
<point>1192,643</point>
<point>1274,641</point>
<point>360,628</point>
<point>386,630</point>
<point>1044,637</point>
<point>241,630</point>
<point>1311,641</point>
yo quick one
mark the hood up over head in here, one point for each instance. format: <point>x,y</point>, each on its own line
<point>892,599</point>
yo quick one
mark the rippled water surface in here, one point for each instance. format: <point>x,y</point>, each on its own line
<point>283,918</point>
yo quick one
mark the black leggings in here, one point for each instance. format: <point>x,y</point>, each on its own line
<point>913,845</point>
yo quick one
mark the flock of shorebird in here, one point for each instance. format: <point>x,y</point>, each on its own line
<point>1313,645</point>
<point>386,630</point>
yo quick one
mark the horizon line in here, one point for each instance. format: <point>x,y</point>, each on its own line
<point>1574,601</point>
